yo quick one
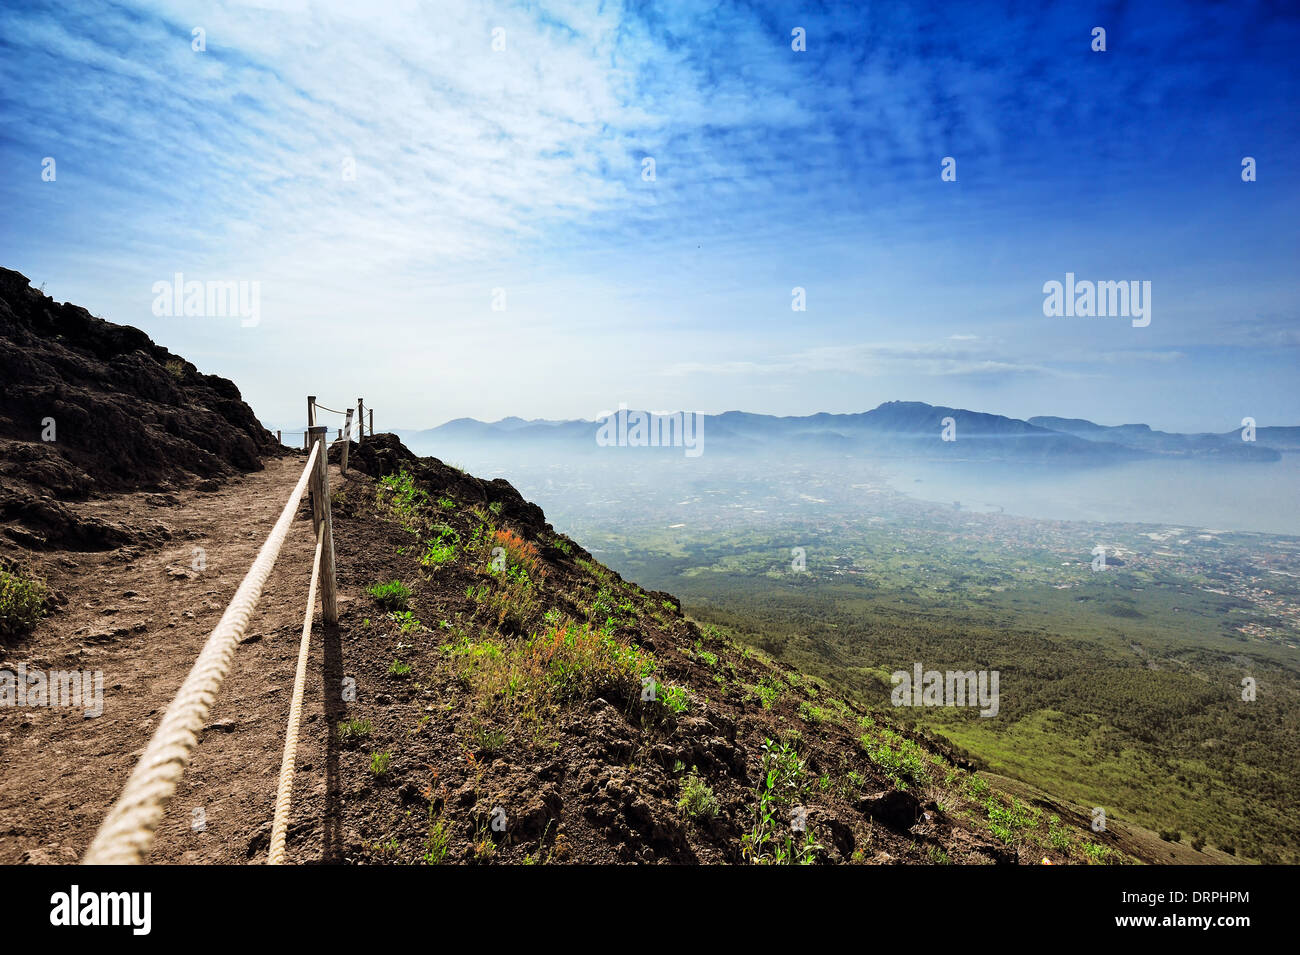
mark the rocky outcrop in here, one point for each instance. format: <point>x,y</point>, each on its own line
<point>88,406</point>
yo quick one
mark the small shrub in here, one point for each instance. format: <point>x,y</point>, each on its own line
<point>675,699</point>
<point>393,595</point>
<point>407,622</point>
<point>1007,822</point>
<point>22,603</point>
<point>769,690</point>
<point>1057,838</point>
<point>519,552</point>
<point>380,763</point>
<point>564,663</point>
<point>771,840</point>
<point>488,739</point>
<point>903,762</point>
<point>353,731</point>
<point>437,552</point>
<point>1096,854</point>
<point>437,843</point>
<point>697,800</point>
<point>399,498</point>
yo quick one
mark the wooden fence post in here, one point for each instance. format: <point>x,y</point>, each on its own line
<point>372,422</point>
<point>347,443</point>
<point>278,439</point>
<point>361,418</point>
<point>320,509</point>
<point>311,422</point>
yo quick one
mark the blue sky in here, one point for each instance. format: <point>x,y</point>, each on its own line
<point>521,169</point>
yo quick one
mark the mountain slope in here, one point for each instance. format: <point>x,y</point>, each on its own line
<point>89,406</point>
<point>894,429</point>
<point>522,687</point>
<point>1230,446</point>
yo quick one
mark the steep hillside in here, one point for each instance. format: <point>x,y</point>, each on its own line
<point>89,406</point>
<point>505,674</point>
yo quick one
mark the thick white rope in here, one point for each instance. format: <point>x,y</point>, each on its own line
<point>127,833</point>
<point>284,792</point>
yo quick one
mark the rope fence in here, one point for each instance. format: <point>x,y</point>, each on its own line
<point>361,421</point>
<point>128,831</point>
<point>284,791</point>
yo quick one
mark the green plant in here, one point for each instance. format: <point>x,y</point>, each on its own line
<point>353,731</point>
<point>398,497</point>
<point>697,800</point>
<point>813,714</point>
<point>770,841</point>
<point>393,595</point>
<point>407,622</point>
<point>437,552</point>
<point>380,763</point>
<point>22,602</point>
<point>1057,838</point>
<point>398,668</point>
<point>488,739</point>
<point>1008,821</point>
<point>483,847</point>
<point>532,676</point>
<point>441,546</point>
<point>769,690</point>
<point>675,699</point>
<point>903,762</point>
<point>436,843</point>
<point>1095,853</point>
<point>602,606</point>
<point>446,503</point>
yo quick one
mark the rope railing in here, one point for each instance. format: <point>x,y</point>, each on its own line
<point>360,429</point>
<point>284,790</point>
<point>321,407</point>
<point>313,406</point>
<point>128,831</point>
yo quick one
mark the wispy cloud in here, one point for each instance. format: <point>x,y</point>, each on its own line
<point>522,168</point>
<point>905,358</point>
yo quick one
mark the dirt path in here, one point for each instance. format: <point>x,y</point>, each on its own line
<point>140,615</point>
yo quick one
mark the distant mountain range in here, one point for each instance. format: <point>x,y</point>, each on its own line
<point>895,428</point>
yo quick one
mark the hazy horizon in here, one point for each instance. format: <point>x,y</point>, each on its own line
<point>1023,417</point>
